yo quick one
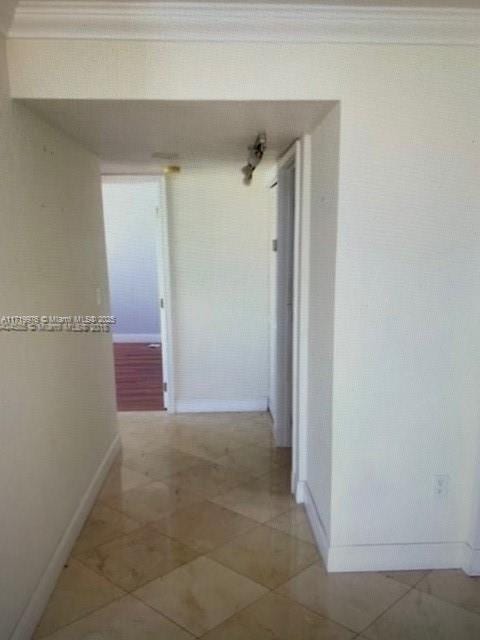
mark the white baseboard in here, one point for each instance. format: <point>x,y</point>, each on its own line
<point>136,337</point>
<point>396,557</point>
<point>214,406</point>
<point>386,557</point>
<point>295,487</point>
<point>318,527</point>
<point>34,610</point>
<point>471,562</point>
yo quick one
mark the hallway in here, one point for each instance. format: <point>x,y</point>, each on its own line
<point>195,534</point>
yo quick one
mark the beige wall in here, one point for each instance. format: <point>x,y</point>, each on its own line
<point>219,250</point>
<point>323,243</point>
<point>57,400</point>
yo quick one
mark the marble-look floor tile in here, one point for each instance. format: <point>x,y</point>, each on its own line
<point>410,578</point>
<point>200,595</point>
<point>142,427</point>
<point>255,460</point>
<point>260,499</point>
<point>295,523</point>
<point>103,524</point>
<point>134,442</point>
<point>419,616</point>
<point>208,446</point>
<point>258,437</point>
<point>137,558</point>
<point>159,464</point>
<point>205,483</point>
<point>353,600</point>
<point>453,586</point>
<point>208,478</point>
<point>126,418</point>
<point>77,593</point>
<point>267,556</point>
<point>120,479</point>
<point>222,422</point>
<point>253,433</point>
<point>274,617</point>
<point>124,619</point>
<point>143,452</point>
<point>204,525</point>
<point>152,501</point>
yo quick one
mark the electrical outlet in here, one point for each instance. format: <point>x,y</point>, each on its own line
<point>441,484</point>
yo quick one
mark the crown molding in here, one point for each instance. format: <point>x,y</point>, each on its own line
<point>232,22</point>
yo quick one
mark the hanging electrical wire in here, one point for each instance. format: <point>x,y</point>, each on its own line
<point>256,154</point>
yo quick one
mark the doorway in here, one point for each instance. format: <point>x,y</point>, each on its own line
<point>135,247</point>
<point>289,300</point>
<point>284,296</point>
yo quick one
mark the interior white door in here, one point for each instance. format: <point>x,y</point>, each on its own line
<point>283,413</point>
<point>165,298</point>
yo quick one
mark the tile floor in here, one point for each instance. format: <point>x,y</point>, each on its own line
<point>195,535</point>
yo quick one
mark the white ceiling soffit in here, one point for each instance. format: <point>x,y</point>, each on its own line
<point>235,22</point>
<point>133,130</point>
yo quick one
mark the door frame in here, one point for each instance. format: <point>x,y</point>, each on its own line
<point>164,275</point>
<point>165,296</point>
<point>285,356</point>
<point>299,153</point>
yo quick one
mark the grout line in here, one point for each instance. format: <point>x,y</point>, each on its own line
<point>158,612</point>
<point>391,606</point>
<point>272,589</point>
<point>307,607</point>
<point>452,604</point>
<point>427,573</point>
<point>85,615</point>
<point>116,510</point>
<point>316,613</point>
<point>82,617</point>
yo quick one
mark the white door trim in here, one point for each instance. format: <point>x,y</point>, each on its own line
<point>285,353</point>
<point>164,281</point>
<point>302,311</point>
<point>300,153</point>
<point>166,311</point>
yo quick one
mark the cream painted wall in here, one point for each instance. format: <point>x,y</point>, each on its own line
<point>219,251</point>
<point>407,371</point>
<point>323,243</point>
<point>56,390</point>
<point>406,353</point>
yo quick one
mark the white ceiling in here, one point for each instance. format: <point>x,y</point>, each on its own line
<point>131,131</point>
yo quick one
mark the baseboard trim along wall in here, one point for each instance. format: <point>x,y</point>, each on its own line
<point>471,562</point>
<point>297,488</point>
<point>303,494</point>
<point>136,337</point>
<point>397,557</point>
<point>34,610</point>
<point>386,557</point>
<point>216,406</point>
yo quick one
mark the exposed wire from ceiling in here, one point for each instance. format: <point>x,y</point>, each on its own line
<point>255,156</point>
